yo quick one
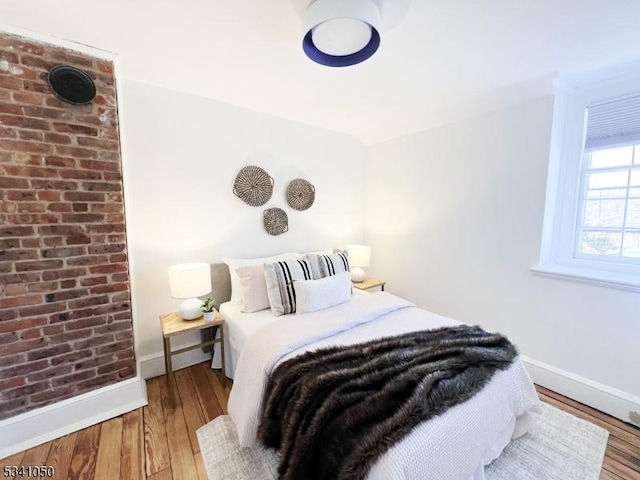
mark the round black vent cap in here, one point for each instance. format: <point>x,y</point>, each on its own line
<point>71,84</point>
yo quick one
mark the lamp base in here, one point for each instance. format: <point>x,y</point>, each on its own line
<point>358,275</point>
<point>190,309</point>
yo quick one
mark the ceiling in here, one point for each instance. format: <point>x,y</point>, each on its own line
<point>443,60</point>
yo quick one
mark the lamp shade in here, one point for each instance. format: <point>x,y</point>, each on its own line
<point>359,255</point>
<point>339,33</point>
<point>189,280</point>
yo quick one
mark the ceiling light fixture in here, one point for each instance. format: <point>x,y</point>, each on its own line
<point>340,33</point>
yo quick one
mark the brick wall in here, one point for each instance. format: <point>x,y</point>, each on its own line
<point>65,317</point>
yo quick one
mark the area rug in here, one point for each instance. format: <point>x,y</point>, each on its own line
<point>559,447</point>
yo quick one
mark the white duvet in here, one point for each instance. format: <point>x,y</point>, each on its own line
<point>455,445</point>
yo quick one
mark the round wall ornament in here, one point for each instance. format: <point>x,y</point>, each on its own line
<point>275,221</point>
<point>253,186</point>
<point>300,194</point>
<point>71,84</point>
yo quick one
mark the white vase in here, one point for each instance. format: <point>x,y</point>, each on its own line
<point>209,316</point>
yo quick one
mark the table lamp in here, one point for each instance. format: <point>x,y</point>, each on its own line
<point>359,256</point>
<point>190,280</point>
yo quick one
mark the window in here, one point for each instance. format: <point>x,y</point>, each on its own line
<point>609,205</point>
<point>591,228</point>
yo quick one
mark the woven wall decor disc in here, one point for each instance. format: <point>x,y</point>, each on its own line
<point>275,221</point>
<point>253,186</point>
<point>300,194</point>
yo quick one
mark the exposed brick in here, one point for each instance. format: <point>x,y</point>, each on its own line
<point>39,265</point>
<point>42,309</point>
<point>31,135</point>
<point>75,128</point>
<point>8,182</point>
<point>21,196</point>
<point>70,358</point>
<point>64,273</point>
<point>59,207</point>
<point>80,207</point>
<point>57,138</point>
<point>113,268</point>
<point>76,152</point>
<point>100,166</point>
<point>6,132</point>
<point>21,146</point>
<point>57,161</point>
<point>71,283</point>
<point>114,287</point>
<point>31,171</point>
<point>23,391</point>
<point>53,185</point>
<point>43,112</point>
<point>81,174</point>
<point>64,252</point>
<point>88,302</point>
<point>91,281</point>
<point>27,97</point>
<point>53,241</point>
<point>60,163</point>
<point>19,347</point>
<point>50,372</point>
<point>84,196</point>
<point>48,196</point>
<point>43,287</point>
<point>12,383</point>
<point>66,295</point>
<point>21,301</point>
<point>102,186</point>
<point>48,352</point>
<point>87,260</point>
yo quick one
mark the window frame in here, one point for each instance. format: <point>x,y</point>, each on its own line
<point>572,96</point>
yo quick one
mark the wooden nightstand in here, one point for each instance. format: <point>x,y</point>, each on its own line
<point>173,325</point>
<point>369,283</point>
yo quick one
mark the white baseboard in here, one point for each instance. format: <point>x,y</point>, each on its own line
<point>609,400</point>
<point>153,365</point>
<point>39,426</point>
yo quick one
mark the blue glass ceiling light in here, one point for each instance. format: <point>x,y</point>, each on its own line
<point>340,33</point>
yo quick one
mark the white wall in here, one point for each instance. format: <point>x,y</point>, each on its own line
<point>454,218</point>
<point>181,154</point>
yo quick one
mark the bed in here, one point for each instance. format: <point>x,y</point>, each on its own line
<point>457,444</point>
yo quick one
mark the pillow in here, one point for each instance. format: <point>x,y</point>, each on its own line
<point>280,277</point>
<point>234,263</point>
<point>254,288</point>
<point>327,265</point>
<point>314,295</point>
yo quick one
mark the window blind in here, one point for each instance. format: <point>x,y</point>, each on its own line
<point>614,122</point>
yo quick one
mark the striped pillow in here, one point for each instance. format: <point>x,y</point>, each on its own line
<point>328,265</point>
<point>280,277</point>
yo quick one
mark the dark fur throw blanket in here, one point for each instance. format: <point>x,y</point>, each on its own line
<point>333,412</point>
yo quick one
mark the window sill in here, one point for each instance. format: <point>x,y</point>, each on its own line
<point>596,279</point>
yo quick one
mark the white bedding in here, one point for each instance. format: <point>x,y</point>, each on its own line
<point>455,445</point>
<point>239,326</point>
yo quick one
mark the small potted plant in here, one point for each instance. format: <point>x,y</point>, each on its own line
<point>208,308</point>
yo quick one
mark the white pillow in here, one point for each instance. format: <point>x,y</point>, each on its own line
<point>254,288</point>
<point>280,277</point>
<point>314,295</point>
<point>233,263</point>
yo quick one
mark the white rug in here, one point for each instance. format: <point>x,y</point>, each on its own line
<point>559,447</point>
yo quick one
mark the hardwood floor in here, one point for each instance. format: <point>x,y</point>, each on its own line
<point>158,442</point>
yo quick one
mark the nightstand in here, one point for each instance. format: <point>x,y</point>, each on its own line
<point>173,325</point>
<point>368,283</point>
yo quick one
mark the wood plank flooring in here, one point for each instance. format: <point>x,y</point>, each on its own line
<point>158,442</point>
